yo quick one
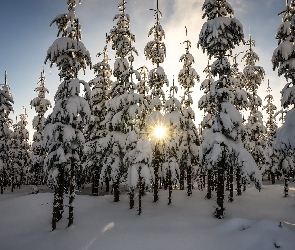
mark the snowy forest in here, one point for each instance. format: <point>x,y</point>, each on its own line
<point>130,132</point>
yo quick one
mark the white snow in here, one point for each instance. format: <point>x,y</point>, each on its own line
<point>286,133</point>
<point>251,222</point>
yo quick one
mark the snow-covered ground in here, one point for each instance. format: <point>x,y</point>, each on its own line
<point>252,222</point>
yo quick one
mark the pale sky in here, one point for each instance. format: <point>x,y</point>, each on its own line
<point>26,36</point>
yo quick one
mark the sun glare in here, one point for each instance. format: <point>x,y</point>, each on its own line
<point>159,132</point>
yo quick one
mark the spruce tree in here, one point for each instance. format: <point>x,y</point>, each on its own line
<point>95,130</point>
<point>255,129</point>
<point>139,159</point>
<point>220,34</point>
<point>6,101</point>
<point>41,105</point>
<point>173,121</point>
<point>282,59</point>
<point>63,137</point>
<point>271,126</point>
<point>207,103</point>
<point>155,51</point>
<point>19,151</point>
<point>240,99</point>
<point>124,106</point>
<point>188,153</point>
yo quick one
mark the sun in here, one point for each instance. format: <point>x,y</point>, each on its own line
<point>159,132</point>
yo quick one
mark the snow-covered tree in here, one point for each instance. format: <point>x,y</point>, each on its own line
<point>255,130</point>
<point>155,50</point>
<point>19,151</point>
<point>124,106</point>
<point>283,59</point>
<point>189,141</point>
<point>222,145</point>
<point>143,89</point>
<point>6,101</point>
<point>207,104</point>
<point>63,137</point>
<point>173,119</point>
<point>139,159</point>
<point>95,130</point>
<point>271,125</point>
<point>41,105</point>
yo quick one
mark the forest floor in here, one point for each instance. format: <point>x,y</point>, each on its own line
<point>252,221</point>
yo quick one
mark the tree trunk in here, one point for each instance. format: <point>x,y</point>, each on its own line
<point>204,179</point>
<point>209,184</point>
<point>12,182</point>
<point>286,186</point>
<point>95,183</point>
<point>238,179</point>
<point>273,178</point>
<point>169,186</point>
<point>165,183</point>
<point>219,212</point>
<point>142,188</point>
<point>107,184</point>
<point>189,180</point>
<point>227,173</point>
<point>55,210</point>
<point>2,182</point>
<point>131,197</point>
<point>156,197</point>
<point>231,184</point>
<point>181,178</point>
<point>72,193</point>
<point>116,190</point>
<point>139,196</point>
<point>156,172</point>
<point>60,184</point>
<point>215,181</point>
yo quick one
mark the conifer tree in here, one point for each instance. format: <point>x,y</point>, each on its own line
<point>19,151</point>
<point>41,105</point>
<point>95,130</point>
<point>63,137</point>
<point>207,104</point>
<point>139,159</point>
<point>255,129</point>
<point>155,51</point>
<point>143,89</point>
<point>271,153</point>
<point>222,144</point>
<point>124,106</point>
<point>283,57</point>
<point>6,101</point>
<point>188,153</point>
<point>173,119</point>
<point>239,99</point>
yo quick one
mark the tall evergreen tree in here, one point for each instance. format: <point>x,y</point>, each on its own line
<point>255,129</point>
<point>173,119</point>
<point>207,103</point>
<point>189,141</point>
<point>41,105</point>
<point>63,137</point>
<point>19,151</point>
<point>124,106</point>
<point>271,153</point>
<point>283,57</point>
<point>6,101</point>
<point>155,51</point>
<point>95,130</point>
<point>220,34</point>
